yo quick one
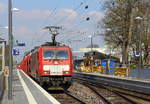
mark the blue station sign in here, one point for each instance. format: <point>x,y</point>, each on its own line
<point>136,54</point>
<point>15,52</point>
<point>21,44</point>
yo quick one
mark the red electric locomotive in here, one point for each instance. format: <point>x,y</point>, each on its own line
<point>25,63</point>
<point>51,65</point>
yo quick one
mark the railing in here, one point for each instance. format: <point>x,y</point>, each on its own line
<point>1,84</point>
<point>140,86</point>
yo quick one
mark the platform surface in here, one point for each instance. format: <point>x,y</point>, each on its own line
<point>113,76</point>
<point>26,91</point>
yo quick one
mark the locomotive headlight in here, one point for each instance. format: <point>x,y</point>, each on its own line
<point>66,72</point>
<point>46,72</point>
<point>66,68</point>
<point>46,67</point>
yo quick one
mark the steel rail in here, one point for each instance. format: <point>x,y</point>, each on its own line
<point>121,95</point>
<point>146,99</point>
<point>101,96</point>
<point>66,92</point>
<point>109,89</point>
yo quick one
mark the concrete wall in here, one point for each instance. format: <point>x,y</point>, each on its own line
<point>1,84</point>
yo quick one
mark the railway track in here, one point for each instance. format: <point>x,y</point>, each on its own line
<point>65,97</point>
<point>134,96</point>
<point>69,94</point>
<point>110,95</point>
<point>99,93</point>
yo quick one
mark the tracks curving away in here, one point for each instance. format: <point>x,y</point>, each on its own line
<point>65,97</point>
<point>110,95</point>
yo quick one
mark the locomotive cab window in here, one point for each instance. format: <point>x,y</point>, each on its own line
<point>56,54</point>
<point>49,54</point>
<point>62,54</point>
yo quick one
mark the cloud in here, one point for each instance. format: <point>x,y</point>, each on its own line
<point>42,14</point>
<point>22,32</point>
<point>2,7</point>
<point>41,18</point>
<point>33,14</point>
<point>68,13</point>
<point>29,24</point>
<point>96,15</point>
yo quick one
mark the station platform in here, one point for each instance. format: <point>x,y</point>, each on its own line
<point>27,91</point>
<point>129,83</point>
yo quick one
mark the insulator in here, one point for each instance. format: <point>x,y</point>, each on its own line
<point>86,7</point>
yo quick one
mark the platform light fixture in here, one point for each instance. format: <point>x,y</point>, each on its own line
<point>10,43</point>
<point>140,47</point>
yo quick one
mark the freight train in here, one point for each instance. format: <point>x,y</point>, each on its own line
<point>49,65</point>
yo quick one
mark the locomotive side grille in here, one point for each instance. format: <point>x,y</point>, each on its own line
<point>56,69</point>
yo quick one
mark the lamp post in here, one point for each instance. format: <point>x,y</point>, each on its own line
<point>91,39</point>
<point>139,48</point>
<point>10,43</point>
<point>109,56</point>
<point>10,49</point>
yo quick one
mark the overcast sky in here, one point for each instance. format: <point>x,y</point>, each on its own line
<point>34,15</point>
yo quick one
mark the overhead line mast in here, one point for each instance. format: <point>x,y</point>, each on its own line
<point>54,31</point>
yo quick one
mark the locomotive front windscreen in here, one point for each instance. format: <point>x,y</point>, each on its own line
<point>49,54</point>
<point>55,54</point>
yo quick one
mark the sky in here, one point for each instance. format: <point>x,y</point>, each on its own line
<point>34,15</point>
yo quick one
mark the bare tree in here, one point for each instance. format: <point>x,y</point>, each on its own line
<point>123,27</point>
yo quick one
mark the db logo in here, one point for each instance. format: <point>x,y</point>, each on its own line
<point>55,62</point>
